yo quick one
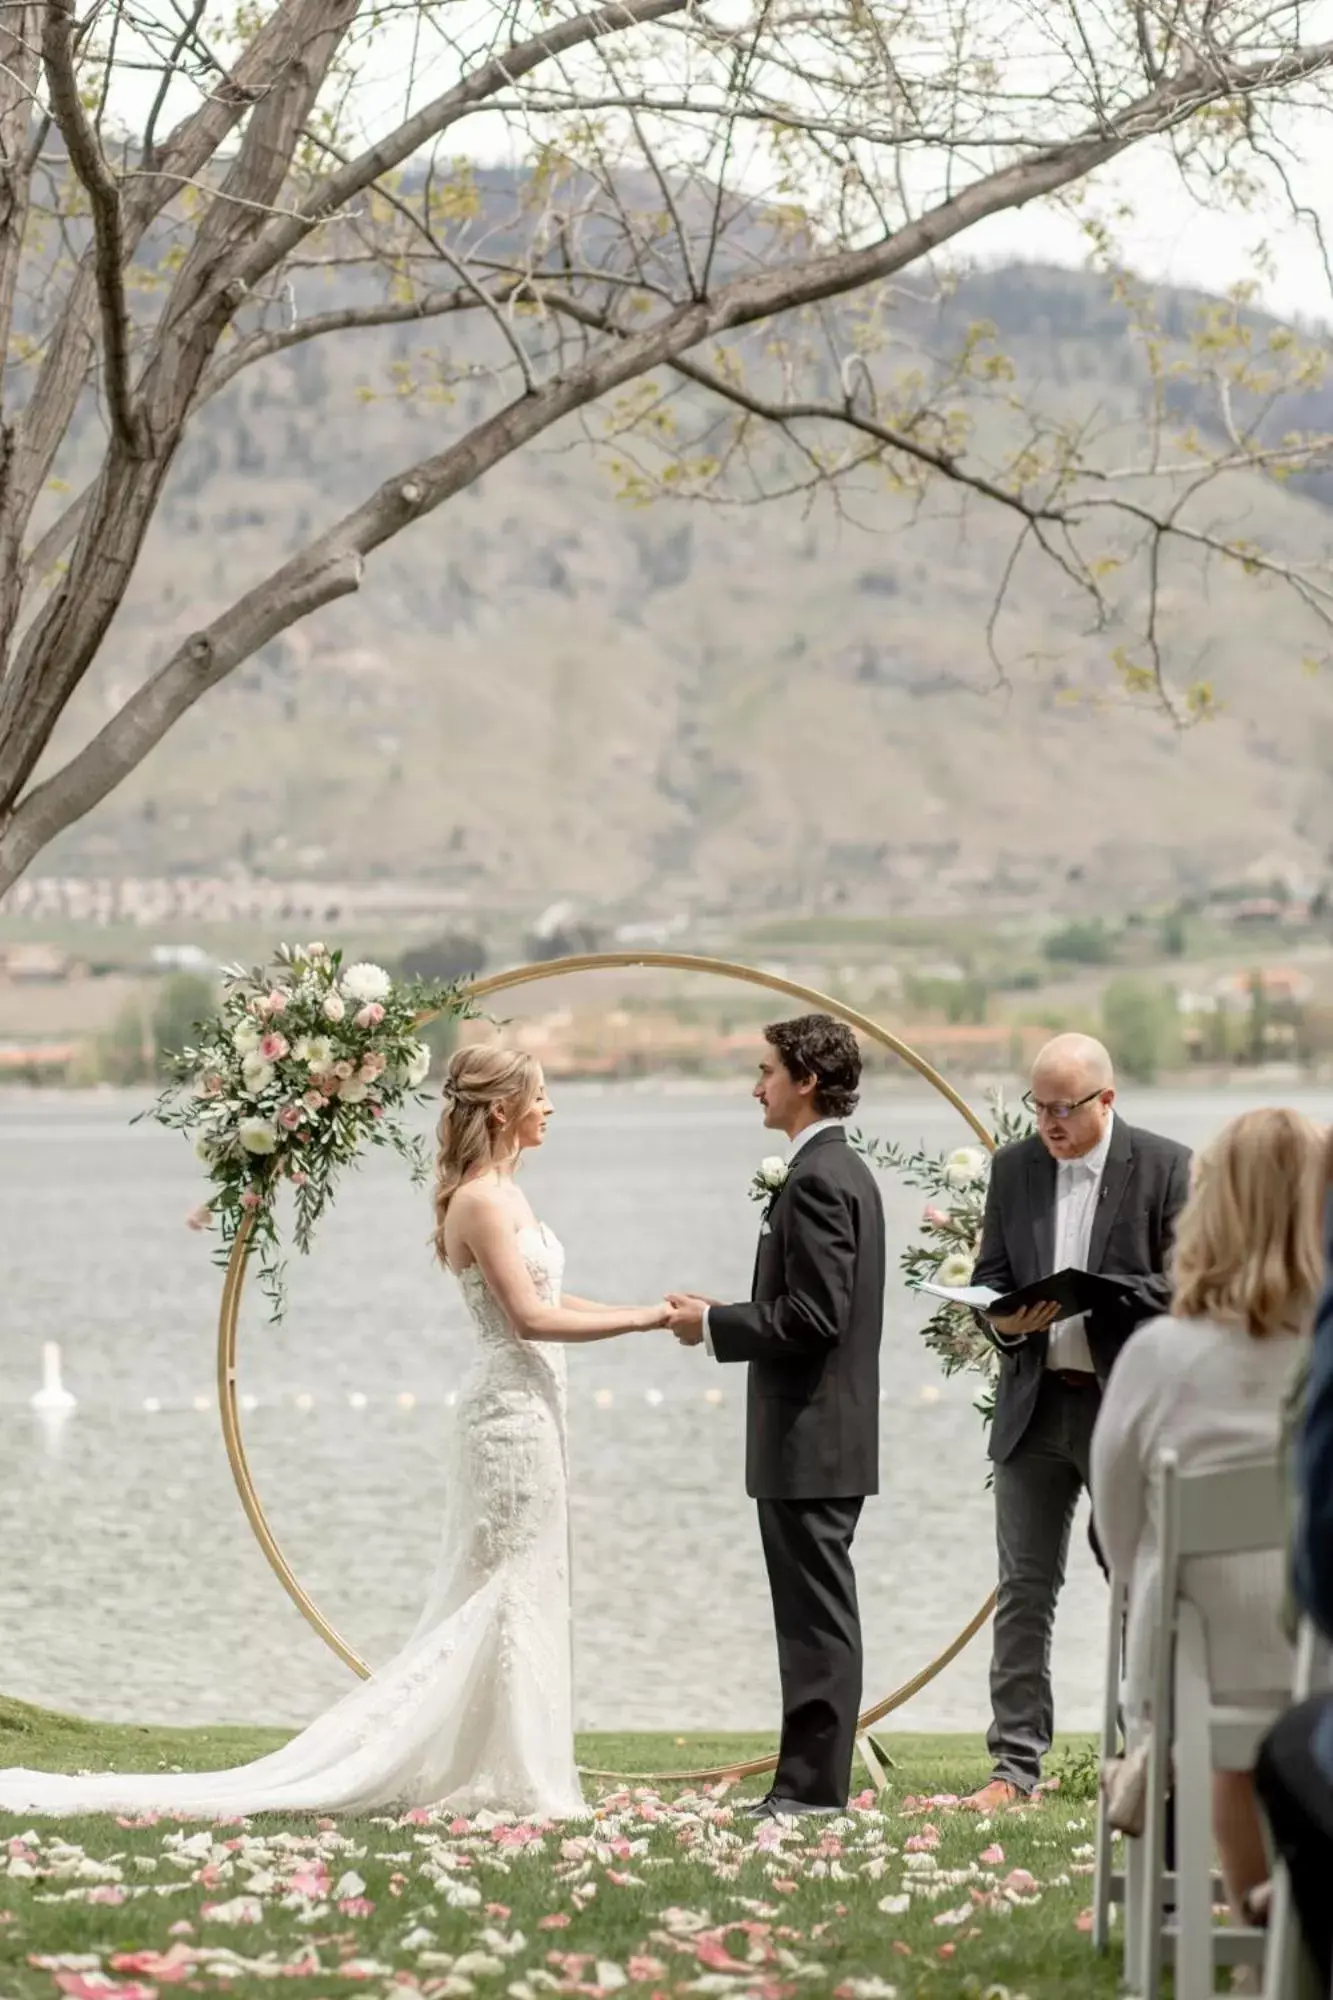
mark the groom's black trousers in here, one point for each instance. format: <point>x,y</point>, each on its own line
<point>808,1550</point>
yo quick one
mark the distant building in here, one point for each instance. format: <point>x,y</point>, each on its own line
<point>38,965</point>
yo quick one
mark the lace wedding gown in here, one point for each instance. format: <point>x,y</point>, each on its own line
<point>475,1711</point>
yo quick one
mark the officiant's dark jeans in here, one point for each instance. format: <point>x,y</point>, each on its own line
<point>1036,1492</point>
<point>808,1552</point>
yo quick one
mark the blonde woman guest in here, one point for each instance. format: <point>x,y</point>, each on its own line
<point>1207,1383</point>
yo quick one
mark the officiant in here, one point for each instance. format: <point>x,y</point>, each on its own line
<point>1086,1192</point>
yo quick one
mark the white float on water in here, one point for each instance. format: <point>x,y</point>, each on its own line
<point>53,1395</point>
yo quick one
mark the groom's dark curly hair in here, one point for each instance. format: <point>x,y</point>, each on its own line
<point>816,1045</point>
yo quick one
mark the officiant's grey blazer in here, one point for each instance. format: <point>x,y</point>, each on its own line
<point>811,1331</point>
<point>1145,1184</point>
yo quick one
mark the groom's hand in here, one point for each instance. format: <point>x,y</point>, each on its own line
<point>686,1317</point>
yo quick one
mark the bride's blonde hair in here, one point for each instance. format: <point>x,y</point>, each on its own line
<point>479,1084</point>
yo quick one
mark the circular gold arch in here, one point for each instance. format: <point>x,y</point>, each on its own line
<point>481,989</point>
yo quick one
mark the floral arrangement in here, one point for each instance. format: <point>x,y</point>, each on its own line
<point>306,1062</point>
<point>946,1250</point>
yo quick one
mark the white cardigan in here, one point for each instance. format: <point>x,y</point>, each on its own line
<point>1212,1394</point>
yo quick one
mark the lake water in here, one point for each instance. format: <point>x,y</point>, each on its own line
<point>130,1584</point>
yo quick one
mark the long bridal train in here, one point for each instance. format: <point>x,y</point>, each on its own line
<point>476,1710</point>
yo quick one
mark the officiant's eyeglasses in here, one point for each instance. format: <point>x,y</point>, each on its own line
<point>1040,1110</point>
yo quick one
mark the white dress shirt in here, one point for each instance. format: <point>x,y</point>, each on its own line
<point>1078,1188</point>
<point>820,1125</point>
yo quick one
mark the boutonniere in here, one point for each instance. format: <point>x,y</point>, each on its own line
<point>770,1179</point>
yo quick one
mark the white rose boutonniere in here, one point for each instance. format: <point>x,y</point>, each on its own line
<point>770,1179</point>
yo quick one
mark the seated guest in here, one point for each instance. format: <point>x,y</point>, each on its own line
<point>1207,1383</point>
<point>1294,1775</point>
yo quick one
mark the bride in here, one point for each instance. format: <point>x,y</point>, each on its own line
<point>476,1710</point>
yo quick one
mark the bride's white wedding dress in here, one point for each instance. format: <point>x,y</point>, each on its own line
<point>475,1712</point>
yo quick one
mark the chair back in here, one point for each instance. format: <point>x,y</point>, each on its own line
<point>1234,1510</point>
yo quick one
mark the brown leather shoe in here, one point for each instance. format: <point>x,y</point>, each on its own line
<point>998,1796</point>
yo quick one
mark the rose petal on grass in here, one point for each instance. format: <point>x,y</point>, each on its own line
<point>99,1986</point>
<point>240,1910</point>
<point>557,1921</point>
<point>168,1967</point>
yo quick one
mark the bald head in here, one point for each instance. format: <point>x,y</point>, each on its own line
<point>1073,1090</point>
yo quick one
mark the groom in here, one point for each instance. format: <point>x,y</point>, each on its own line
<point>811,1336</point>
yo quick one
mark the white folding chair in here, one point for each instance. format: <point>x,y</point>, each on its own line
<point>1288,1973</point>
<point>1108,1885</point>
<point>1124,1884</point>
<point>1239,1510</point>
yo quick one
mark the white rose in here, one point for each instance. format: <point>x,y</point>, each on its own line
<point>246,1039</point>
<point>258,1075</point>
<point>366,982</point>
<point>258,1135</point>
<point>967,1166</point>
<point>418,1067</point>
<point>772,1171</point>
<point>352,1091</point>
<point>955,1269</point>
<point>334,1009</point>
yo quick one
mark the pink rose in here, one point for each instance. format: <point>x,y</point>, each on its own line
<point>298,1178</point>
<point>200,1218</point>
<point>372,1066</point>
<point>212,1084</point>
<point>370,1015</point>
<point>324,1082</point>
<point>290,1116</point>
<point>342,1069</point>
<point>249,1199</point>
<point>377,1110</point>
<point>274,1047</point>
<point>314,1100</point>
<point>334,1008</point>
<point>277,1002</point>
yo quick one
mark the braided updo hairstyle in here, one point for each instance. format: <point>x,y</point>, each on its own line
<point>479,1084</point>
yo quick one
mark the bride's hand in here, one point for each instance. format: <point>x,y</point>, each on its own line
<point>659,1315</point>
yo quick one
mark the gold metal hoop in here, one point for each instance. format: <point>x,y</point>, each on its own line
<point>481,989</point>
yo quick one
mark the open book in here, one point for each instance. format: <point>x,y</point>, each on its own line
<point>1075,1292</point>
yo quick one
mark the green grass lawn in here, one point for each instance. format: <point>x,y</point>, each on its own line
<point>663,1893</point>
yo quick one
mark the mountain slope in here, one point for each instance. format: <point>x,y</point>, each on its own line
<point>544,691</point>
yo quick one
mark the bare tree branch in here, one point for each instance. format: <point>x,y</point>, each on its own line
<point>103,190</point>
<point>258,347</point>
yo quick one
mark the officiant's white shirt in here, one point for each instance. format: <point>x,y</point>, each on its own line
<point>1078,1187</point>
<point>801,1139</point>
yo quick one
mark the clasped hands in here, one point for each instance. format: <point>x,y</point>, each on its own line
<point>685,1316</point>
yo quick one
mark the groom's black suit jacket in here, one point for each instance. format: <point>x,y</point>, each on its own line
<point>811,1332</point>
<point>1145,1184</point>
